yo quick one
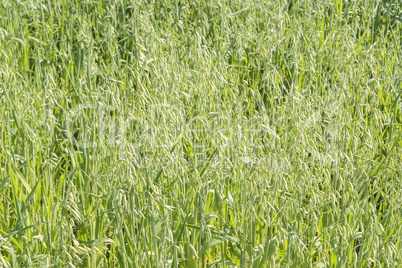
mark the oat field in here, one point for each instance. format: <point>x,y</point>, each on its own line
<point>200,133</point>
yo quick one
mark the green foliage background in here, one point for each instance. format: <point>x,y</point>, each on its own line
<point>194,133</point>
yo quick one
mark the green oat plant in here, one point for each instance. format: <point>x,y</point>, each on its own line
<point>200,133</point>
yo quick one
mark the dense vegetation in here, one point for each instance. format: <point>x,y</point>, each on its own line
<point>195,133</point>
